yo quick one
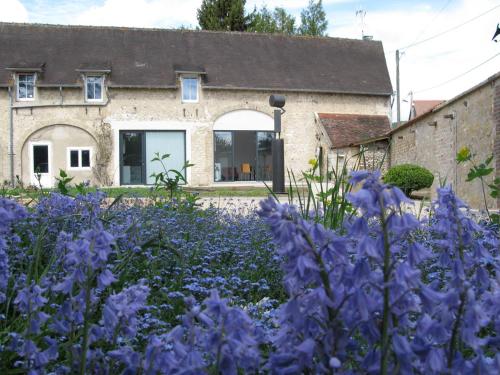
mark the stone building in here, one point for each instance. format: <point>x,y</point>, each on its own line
<point>99,102</point>
<point>433,139</point>
<point>360,141</point>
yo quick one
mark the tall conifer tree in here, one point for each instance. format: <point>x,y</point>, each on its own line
<point>226,15</point>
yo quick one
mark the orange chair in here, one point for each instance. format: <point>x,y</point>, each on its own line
<point>246,169</point>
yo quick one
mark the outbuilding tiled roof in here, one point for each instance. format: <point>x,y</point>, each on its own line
<point>228,60</point>
<point>350,129</point>
<point>419,107</point>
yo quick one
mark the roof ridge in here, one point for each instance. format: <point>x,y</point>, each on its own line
<point>180,30</point>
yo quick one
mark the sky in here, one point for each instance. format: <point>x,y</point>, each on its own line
<point>439,68</point>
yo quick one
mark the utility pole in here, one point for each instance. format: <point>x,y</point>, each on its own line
<point>411,104</point>
<point>398,94</point>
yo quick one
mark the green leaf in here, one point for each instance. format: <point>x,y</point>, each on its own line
<point>477,172</point>
<point>488,161</point>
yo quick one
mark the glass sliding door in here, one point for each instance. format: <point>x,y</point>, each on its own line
<point>264,156</point>
<point>132,158</point>
<point>245,155</point>
<point>242,156</point>
<point>223,156</point>
<point>138,148</point>
<point>171,143</point>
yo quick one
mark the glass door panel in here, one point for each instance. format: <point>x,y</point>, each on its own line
<point>245,158</point>
<point>132,169</point>
<point>167,142</point>
<point>41,159</point>
<point>223,156</point>
<point>264,156</point>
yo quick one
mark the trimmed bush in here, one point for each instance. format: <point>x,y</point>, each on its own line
<point>409,177</point>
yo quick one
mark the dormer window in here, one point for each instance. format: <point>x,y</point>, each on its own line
<point>26,86</point>
<point>190,90</point>
<point>93,88</point>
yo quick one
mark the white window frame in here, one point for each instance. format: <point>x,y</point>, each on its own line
<point>197,89</point>
<point>18,75</point>
<point>101,99</point>
<point>79,149</point>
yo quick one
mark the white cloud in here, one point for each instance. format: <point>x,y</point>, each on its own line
<point>13,11</point>
<point>141,13</point>
<point>438,60</point>
<point>167,13</point>
<point>290,4</point>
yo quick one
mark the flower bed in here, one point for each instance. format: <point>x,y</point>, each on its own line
<point>177,290</point>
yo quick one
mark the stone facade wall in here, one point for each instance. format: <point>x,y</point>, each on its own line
<point>434,140</point>
<point>375,156</point>
<point>164,108</point>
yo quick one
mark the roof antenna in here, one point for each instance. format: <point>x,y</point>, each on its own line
<point>361,14</point>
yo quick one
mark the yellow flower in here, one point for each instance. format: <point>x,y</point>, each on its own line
<point>464,154</point>
<point>313,163</point>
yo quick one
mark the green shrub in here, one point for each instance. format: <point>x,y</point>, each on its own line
<point>409,177</point>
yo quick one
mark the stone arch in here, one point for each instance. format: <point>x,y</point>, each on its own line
<point>265,109</point>
<point>244,119</point>
<point>60,137</point>
<point>27,138</point>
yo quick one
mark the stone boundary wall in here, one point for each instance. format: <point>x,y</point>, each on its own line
<point>432,141</point>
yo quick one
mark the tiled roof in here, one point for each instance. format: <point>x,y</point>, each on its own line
<point>350,129</point>
<point>228,60</point>
<point>423,106</point>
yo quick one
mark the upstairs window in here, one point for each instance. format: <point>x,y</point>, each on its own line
<point>79,158</point>
<point>189,89</point>
<point>26,86</point>
<point>93,88</point>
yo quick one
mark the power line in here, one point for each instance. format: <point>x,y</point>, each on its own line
<point>451,29</point>
<point>457,77</point>
<point>431,21</point>
<point>445,31</point>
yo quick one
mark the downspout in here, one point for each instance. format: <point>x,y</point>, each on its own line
<point>11,139</point>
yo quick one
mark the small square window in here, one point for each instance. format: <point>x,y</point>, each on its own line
<point>93,88</point>
<point>26,86</point>
<point>74,159</point>
<point>189,89</point>
<point>79,158</point>
<point>85,158</point>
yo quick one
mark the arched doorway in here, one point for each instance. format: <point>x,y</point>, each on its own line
<point>242,146</point>
<point>55,147</point>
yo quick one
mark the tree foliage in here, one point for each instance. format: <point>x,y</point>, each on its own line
<point>313,19</point>
<point>265,21</point>
<point>225,15</point>
<point>229,15</point>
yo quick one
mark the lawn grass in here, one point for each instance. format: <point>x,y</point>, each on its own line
<point>147,191</point>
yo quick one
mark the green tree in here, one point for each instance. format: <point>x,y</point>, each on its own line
<point>226,15</point>
<point>285,22</point>
<point>313,19</point>
<point>279,21</point>
<point>261,21</point>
